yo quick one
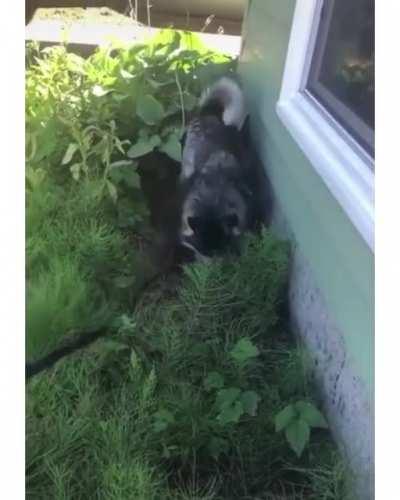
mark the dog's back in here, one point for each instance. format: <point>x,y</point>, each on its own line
<point>216,198</point>
<point>206,137</point>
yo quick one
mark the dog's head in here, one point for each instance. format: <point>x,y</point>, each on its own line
<point>214,214</point>
<point>209,234</point>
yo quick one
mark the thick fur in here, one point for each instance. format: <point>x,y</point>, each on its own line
<point>216,181</point>
<point>229,96</point>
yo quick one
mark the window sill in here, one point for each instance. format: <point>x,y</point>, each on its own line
<point>345,172</point>
<point>343,166</point>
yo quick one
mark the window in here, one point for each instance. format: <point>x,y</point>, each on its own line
<point>342,75</point>
<point>327,100</point>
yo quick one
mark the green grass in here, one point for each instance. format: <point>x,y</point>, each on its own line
<point>180,400</point>
<point>138,415</point>
<point>74,255</point>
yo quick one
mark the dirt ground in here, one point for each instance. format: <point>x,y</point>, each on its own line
<point>105,15</point>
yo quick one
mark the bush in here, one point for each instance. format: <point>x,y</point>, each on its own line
<point>90,124</point>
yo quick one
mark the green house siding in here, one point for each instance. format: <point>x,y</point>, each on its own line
<point>342,263</point>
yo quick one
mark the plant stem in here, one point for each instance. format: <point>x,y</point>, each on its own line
<point>178,84</point>
<point>148,13</point>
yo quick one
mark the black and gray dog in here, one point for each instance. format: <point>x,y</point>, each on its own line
<point>220,180</point>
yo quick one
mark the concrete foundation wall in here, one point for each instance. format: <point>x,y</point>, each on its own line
<point>228,9</point>
<point>344,396</point>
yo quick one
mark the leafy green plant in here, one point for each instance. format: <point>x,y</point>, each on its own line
<point>179,401</point>
<point>232,402</point>
<point>91,116</point>
<point>296,420</point>
<point>243,351</point>
<point>89,124</point>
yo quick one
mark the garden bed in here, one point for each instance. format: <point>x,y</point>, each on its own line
<point>196,389</point>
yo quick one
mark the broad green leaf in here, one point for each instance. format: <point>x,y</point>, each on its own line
<point>76,63</point>
<point>149,109</point>
<point>144,133</point>
<point>119,97</point>
<point>309,413</point>
<point>231,414</point>
<point>46,141</point>
<point>244,350</point>
<point>174,108</point>
<point>134,359</point>
<point>155,140</point>
<point>71,150</point>
<point>119,145</point>
<point>127,218</point>
<point>143,146</point>
<point>165,40</point>
<point>122,163</point>
<point>250,401</point>
<point>100,91</point>
<point>188,54</point>
<point>125,172</point>
<point>126,75</point>
<point>156,84</point>
<point>126,322</point>
<point>230,407</point>
<point>298,434</point>
<point>75,170</point>
<point>170,130</point>
<point>35,176</point>
<point>30,143</point>
<point>226,397</point>
<point>192,41</point>
<point>112,191</point>
<point>162,420</point>
<point>213,381</point>
<point>172,147</point>
<point>132,179</point>
<point>189,101</point>
<point>124,281</point>
<point>285,417</point>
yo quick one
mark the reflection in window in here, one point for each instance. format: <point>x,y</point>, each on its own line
<point>342,68</point>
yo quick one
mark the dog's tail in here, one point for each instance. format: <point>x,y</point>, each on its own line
<point>225,98</point>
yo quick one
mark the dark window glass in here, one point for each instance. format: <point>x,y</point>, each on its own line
<point>342,68</point>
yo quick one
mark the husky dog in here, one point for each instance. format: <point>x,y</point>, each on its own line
<point>217,198</point>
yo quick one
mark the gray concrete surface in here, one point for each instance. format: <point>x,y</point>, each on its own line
<point>343,395</point>
<point>92,35</point>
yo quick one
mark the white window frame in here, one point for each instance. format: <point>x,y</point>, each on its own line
<point>344,166</point>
